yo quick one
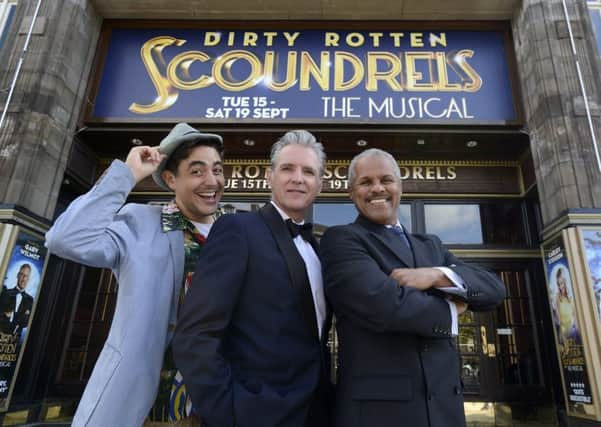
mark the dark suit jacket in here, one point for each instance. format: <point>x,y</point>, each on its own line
<point>398,365</point>
<point>8,302</point>
<point>246,341</point>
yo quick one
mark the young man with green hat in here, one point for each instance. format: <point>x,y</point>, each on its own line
<point>152,251</point>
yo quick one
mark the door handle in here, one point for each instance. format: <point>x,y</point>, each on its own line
<point>483,340</point>
<point>489,349</point>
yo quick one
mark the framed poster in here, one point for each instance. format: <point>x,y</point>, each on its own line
<point>23,263</point>
<point>568,333</point>
<point>591,247</point>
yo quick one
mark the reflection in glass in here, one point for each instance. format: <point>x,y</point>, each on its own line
<point>328,214</point>
<point>467,317</point>
<point>470,370</point>
<point>454,223</point>
<point>467,339</point>
<point>235,207</point>
<point>405,215</point>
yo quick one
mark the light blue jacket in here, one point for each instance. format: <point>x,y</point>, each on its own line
<point>98,230</point>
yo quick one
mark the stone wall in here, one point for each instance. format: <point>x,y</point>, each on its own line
<point>37,134</point>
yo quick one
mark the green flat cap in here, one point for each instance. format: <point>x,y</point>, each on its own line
<point>181,132</point>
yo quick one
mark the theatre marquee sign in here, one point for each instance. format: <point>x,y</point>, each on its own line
<point>247,177</point>
<point>391,75</point>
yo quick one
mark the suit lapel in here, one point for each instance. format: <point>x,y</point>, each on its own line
<point>391,242</point>
<point>295,264</point>
<point>421,252</point>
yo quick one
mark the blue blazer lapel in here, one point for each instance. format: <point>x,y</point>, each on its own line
<point>295,264</point>
<point>396,247</point>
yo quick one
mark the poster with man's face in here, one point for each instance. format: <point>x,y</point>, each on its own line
<point>18,296</point>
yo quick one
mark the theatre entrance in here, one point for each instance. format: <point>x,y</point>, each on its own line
<point>479,198</point>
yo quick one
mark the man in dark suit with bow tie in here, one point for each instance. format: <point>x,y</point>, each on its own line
<point>396,297</point>
<point>16,303</point>
<point>251,335</point>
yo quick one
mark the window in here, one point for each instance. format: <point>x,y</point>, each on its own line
<point>7,13</point>
<point>328,214</point>
<point>454,223</point>
<point>496,223</point>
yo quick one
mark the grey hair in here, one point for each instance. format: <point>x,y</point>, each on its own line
<point>299,137</point>
<point>372,152</point>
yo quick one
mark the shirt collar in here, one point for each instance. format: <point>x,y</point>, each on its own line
<point>283,214</point>
<point>172,218</point>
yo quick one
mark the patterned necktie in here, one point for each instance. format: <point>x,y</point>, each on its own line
<point>305,230</point>
<point>400,233</point>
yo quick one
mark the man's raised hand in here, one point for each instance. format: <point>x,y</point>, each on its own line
<point>143,161</point>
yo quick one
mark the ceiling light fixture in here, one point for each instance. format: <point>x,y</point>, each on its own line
<point>361,143</point>
<point>249,142</point>
<point>471,144</point>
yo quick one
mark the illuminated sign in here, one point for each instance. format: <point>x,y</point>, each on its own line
<point>376,76</point>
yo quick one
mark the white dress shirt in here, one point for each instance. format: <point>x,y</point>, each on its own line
<point>313,265</point>
<point>18,299</point>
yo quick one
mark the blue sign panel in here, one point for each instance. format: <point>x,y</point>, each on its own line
<point>379,76</point>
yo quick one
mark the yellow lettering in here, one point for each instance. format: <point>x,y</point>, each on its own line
<point>340,172</point>
<point>451,172</point>
<point>443,76</point>
<point>291,37</point>
<point>252,171</point>
<point>474,80</point>
<point>396,37</point>
<point>152,57</point>
<point>375,38</point>
<point>183,62</point>
<point>237,171</point>
<point>270,71</point>
<point>357,75</point>
<point>417,172</point>
<point>355,39</point>
<point>320,73</point>
<point>212,39</point>
<point>388,76</point>
<point>414,76</point>
<point>331,39</point>
<point>269,36</point>
<point>438,40</point>
<point>226,61</point>
<point>250,39</point>
<point>417,39</point>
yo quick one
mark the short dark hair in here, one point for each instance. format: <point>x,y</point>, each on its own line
<point>23,266</point>
<point>183,151</point>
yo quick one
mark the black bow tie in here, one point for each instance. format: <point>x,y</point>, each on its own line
<point>305,230</point>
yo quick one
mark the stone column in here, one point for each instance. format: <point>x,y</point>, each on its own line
<point>567,172</point>
<point>36,136</point>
